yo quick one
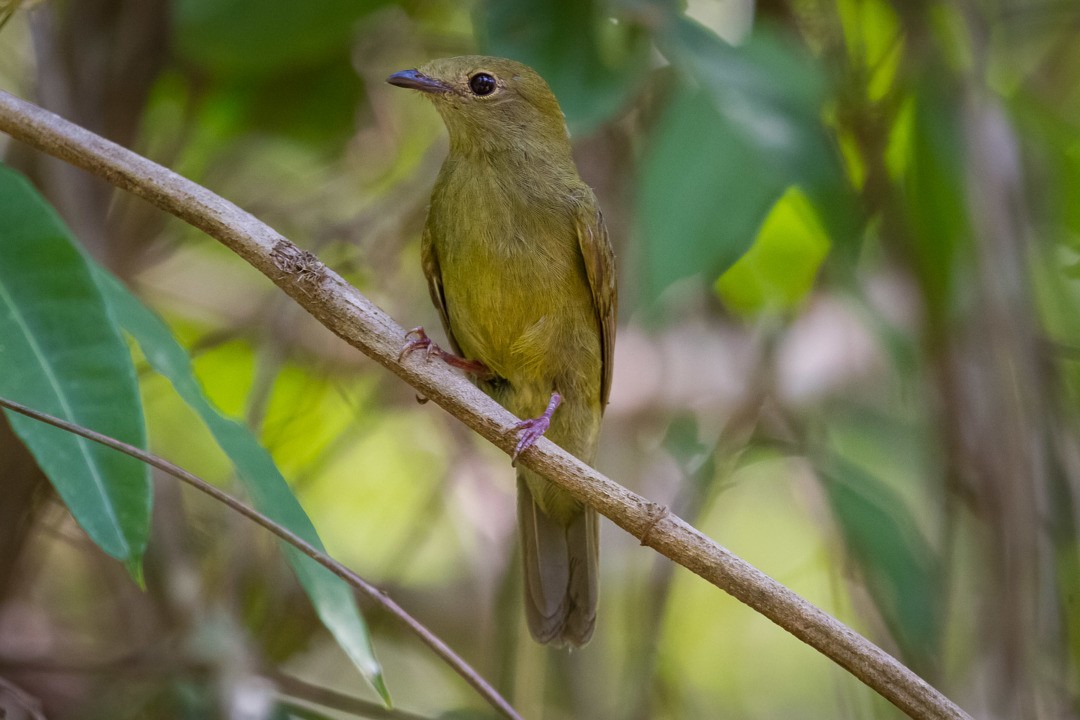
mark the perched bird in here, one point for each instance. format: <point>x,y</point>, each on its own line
<point>520,268</point>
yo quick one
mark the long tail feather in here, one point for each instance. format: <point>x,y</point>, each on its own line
<point>561,565</point>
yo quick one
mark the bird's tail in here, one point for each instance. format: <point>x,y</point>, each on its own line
<point>561,562</point>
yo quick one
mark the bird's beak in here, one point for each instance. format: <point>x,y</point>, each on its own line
<point>417,80</point>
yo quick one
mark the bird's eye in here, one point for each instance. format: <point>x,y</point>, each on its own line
<point>482,84</point>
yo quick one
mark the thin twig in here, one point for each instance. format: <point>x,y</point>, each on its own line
<point>26,701</point>
<point>351,316</point>
<point>370,591</point>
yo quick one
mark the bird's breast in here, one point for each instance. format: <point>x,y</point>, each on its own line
<point>514,281</point>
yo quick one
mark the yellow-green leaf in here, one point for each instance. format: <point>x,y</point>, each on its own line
<point>779,269</point>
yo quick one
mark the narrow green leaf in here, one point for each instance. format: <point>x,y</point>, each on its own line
<point>332,598</point>
<point>900,569</point>
<point>61,353</point>
<point>875,41</point>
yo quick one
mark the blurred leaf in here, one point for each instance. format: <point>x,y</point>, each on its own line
<point>289,711</point>
<point>1070,190</point>
<point>696,461</point>
<point>315,105</point>
<point>333,599</point>
<point>275,66</point>
<point>683,443</point>
<point>61,353</point>
<point>263,37</point>
<point>1068,577</point>
<point>779,269</point>
<point>746,126</point>
<point>898,566</point>
<point>899,148</point>
<point>697,210</point>
<point>854,163</point>
<point>874,40</point>
<point>592,63</point>
<point>951,27</point>
<point>764,85</point>
<point>934,196</point>
<point>468,714</point>
<point>1052,143</point>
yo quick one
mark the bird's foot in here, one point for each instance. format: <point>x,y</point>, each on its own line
<point>417,339</point>
<point>532,430</point>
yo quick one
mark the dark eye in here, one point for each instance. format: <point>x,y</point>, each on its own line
<point>482,84</point>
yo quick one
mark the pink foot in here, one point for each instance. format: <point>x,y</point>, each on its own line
<point>534,429</point>
<point>417,339</point>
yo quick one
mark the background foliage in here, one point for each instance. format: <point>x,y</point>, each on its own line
<point>849,245</point>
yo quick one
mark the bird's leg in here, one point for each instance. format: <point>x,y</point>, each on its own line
<point>417,339</point>
<point>533,430</point>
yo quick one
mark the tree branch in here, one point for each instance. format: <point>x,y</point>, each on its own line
<point>358,583</point>
<point>350,315</point>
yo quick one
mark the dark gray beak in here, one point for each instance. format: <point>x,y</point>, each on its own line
<point>416,80</point>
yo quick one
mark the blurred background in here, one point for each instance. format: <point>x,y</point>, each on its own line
<point>848,235</point>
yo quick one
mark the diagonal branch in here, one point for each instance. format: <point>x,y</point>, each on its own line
<point>358,583</point>
<point>350,315</point>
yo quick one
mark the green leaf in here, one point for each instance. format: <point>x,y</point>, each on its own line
<point>744,125</point>
<point>696,209</point>
<point>61,353</point>
<point>332,598</point>
<point>778,270</point>
<point>900,569</point>
<point>593,64</point>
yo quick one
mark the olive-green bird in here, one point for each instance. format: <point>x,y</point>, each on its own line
<point>520,268</point>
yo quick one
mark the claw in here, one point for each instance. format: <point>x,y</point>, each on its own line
<point>420,341</point>
<point>534,429</point>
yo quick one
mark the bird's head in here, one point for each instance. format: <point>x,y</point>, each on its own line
<point>490,104</point>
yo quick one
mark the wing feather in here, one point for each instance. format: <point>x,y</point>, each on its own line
<point>430,263</point>
<point>600,268</point>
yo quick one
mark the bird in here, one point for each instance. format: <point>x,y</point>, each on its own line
<point>521,270</point>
